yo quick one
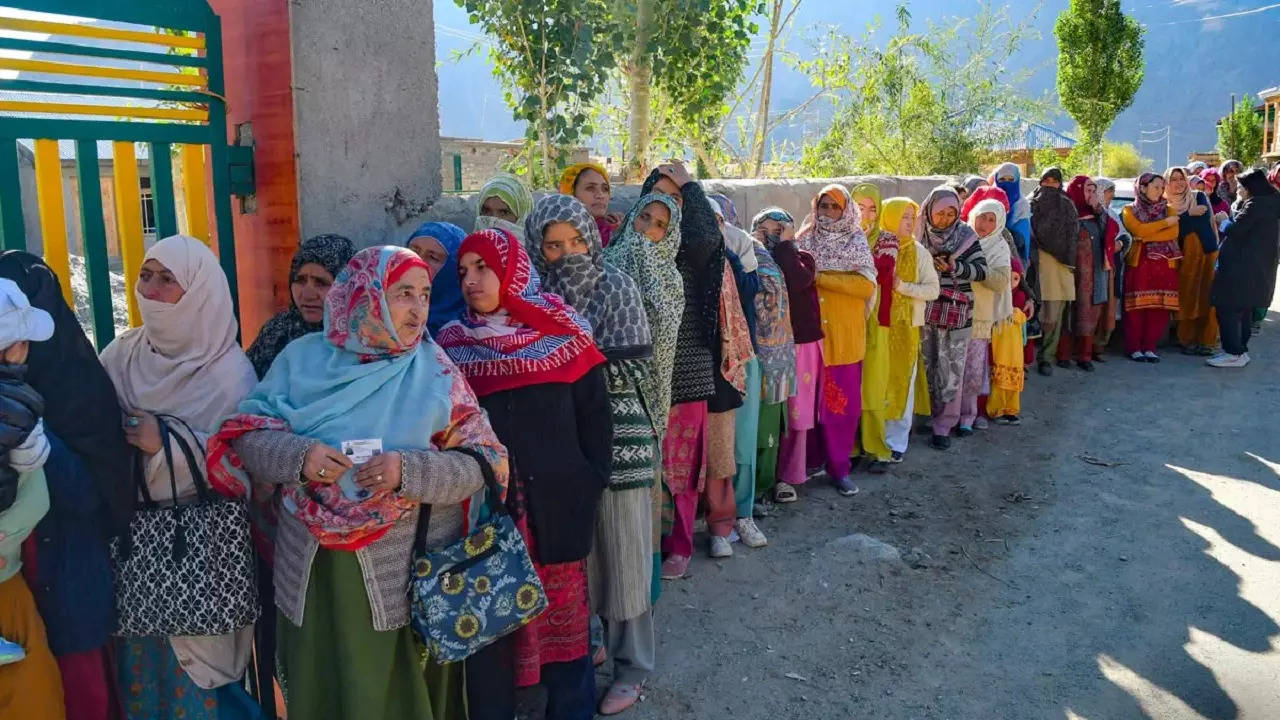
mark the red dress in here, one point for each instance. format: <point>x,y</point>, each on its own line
<point>562,632</point>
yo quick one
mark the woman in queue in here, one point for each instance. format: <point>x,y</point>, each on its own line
<point>183,362</point>
<point>345,534</point>
<point>437,244</point>
<point>311,274</point>
<point>846,285</point>
<point>504,202</point>
<point>69,571</point>
<point>564,245</point>
<point>1151,274</point>
<point>589,183</point>
<point>1198,239</point>
<point>875,369</point>
<point>950,360</point>
<point>534,365</point>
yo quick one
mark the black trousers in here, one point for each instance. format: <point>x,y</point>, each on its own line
<point>491,683</point>
<point>1236,326</point>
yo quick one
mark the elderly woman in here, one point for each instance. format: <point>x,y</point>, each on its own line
<point>534,364</point>
<point>564,246</point>
<point>437,244</point>
<point>846,283</point>
<point>504,203</point>
<point>346,532</point>
<point>775,347</point>
<point>950,360</point>
<point>589,183</point>
<point>88,455</point>
<point>183,362</point>
<point>311,274</point>
<point>1151,275</point>
<point>30,686</point>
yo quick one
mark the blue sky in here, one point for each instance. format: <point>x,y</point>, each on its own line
<point>1198,53</point>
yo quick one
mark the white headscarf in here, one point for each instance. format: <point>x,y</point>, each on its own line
<point>992,305</point>
<point>184,361</point>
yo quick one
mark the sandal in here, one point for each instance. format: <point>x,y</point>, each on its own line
<point>619,698</point>
<point>784,493</point>
<point>599,657</point>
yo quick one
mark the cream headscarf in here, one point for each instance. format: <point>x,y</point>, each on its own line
<point>184,361</point>
<point>993,297</point>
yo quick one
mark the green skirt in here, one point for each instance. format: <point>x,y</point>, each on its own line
<point>337,666</point>
<point>768,441</point>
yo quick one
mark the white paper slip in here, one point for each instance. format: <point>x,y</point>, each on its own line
<point>360,452</point>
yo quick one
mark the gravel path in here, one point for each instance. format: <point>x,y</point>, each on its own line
<point>1117,556</point>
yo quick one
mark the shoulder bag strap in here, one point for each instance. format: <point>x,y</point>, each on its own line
<point>491,484</point>
<point>197,468</point>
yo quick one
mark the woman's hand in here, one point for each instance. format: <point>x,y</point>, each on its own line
<point>324,464</point>
<point>613,219</point>
<point>1171,221</point>
<point>142,430</point>
<point>677,172</point>
<point>1220,218</point>
<point>1029,310</point>
<point>788,232</point>
<point>380,473</point>
<point>941,264</point>
<point>1197,210</point>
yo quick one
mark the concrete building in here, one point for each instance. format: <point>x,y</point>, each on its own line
<point>468,163</point>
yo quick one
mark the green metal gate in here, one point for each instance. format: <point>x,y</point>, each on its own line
<point>123,72</point>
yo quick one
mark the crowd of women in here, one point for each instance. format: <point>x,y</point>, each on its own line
<point>587,380</point>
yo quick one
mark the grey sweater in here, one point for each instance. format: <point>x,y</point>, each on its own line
<point>439,479</point>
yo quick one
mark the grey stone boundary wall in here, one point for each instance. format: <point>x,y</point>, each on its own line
<point>749,196</point>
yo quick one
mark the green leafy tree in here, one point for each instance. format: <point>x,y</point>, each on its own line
<point>554,57</point>
<point>1119,160</point>
<point>1100,65</point>
<point>551,60</point>
<point>1240,133</point>
<point>922,102</point>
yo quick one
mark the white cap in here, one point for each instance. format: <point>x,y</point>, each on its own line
<point>18,320</point>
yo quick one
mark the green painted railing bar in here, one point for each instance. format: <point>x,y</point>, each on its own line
<point>13,234</point>
<point>221,166</point>
<point>457,172</point>
<point>93,235</point>
<point>162,190</point>
<point>102,90</point>
<point>96,130</point>
<point>72,49</point>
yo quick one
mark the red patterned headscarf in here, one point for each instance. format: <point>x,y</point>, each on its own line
<point>357,317</point>
<point>533,337</point>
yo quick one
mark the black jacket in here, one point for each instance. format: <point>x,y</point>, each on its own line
<point>1251,249</point>
<point>559,438</point>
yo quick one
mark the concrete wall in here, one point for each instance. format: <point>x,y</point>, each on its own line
<point>367,126</point>
<point>749,196</point>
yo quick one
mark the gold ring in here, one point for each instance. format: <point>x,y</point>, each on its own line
<point>379,478</point>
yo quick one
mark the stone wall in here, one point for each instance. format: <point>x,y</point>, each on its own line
<point>482,159</point>
<point>367,128</point>
<point>749,196</point>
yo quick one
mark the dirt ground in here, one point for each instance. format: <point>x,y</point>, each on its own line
<point>1116,556</point>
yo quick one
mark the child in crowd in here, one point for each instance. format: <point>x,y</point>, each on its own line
<point>1011,352</point>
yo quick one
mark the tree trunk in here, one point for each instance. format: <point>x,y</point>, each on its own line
<point>766,85</point>
<point>640,82</point>
<point>544,142</point>
<point>709,169</point>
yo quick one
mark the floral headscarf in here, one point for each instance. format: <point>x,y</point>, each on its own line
<point>607,297</point>
<point>653,267</point>
<point>533,337</point>
<point>352,382</point>
<point>1144,209</point>
<point>944,241</point>
<point>1227,188</point>
<point>837,245</point>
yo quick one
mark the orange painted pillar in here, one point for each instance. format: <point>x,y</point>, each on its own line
<point>256,51</point>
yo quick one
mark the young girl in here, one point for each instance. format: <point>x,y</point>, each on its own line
<point>1008,353</point>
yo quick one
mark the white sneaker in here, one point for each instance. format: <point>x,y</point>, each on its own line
<point>1228,361</point>
<point>720,547</point>
<point>750,533</point>
<point>980,423</point>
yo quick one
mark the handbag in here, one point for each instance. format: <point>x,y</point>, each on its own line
<point>184,569</point>
<point>951,311</point>
<point>479,589</point>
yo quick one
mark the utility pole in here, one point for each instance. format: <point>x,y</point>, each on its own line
<point>1231,130</point>
<point>1144,137</point>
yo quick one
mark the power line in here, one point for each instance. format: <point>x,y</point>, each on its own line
<point>1224,16</point>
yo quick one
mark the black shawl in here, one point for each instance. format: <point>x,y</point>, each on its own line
<point>1250,249</point>
<point>332,252</point>
<point>1055,224</point>
<point>80,404</point>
